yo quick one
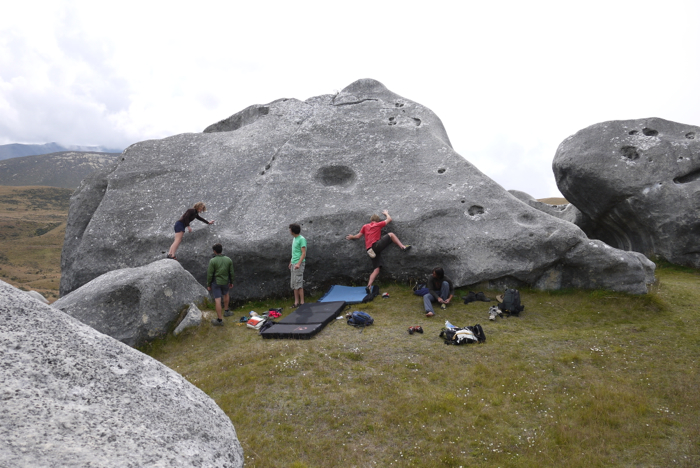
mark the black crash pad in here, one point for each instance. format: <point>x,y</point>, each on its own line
<point>316,312</point>
<point>292,330</point>
<point>306,321</point>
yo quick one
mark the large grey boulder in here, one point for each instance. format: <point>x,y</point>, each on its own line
<point>638,184</point>
<point>328,163</point>
<point>135,305</point>
<point>73,397</point>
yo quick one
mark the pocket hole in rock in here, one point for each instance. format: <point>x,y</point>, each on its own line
<point>475,210</point>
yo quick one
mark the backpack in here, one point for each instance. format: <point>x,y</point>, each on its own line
<point>466,335</point>
<point>511,302</point>
<point>360,319</point>
<point>256,322</point>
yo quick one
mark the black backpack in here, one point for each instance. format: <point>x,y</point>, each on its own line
<point>511,302</point>
<point>360,319</point>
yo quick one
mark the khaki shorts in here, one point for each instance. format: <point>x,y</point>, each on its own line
<point>297,278</point>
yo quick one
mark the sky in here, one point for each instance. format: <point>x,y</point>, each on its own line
<point>510,80</point>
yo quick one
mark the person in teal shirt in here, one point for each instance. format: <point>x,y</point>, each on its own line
<point>219,281</point>
<point>297,263</point>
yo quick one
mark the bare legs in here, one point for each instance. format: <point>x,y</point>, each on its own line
<point>373,276</point>
<point>375,273</point>
<point>218,306</point>
<point>396,240</point>
<point>176,243</point>
<point>299,296</point>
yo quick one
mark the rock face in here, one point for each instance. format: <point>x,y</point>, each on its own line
<point>328,163</point>
<point>638,183</point>
<point>74,397</point>
<point>134,305</point>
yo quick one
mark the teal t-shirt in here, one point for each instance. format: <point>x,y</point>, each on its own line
<point>297,244</point>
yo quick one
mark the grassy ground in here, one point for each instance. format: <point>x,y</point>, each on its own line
<point>580,379</point>
<point>32,228</point>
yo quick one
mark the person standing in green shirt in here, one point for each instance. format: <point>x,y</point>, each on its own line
<point>219,281</point>
<point>297,263</point>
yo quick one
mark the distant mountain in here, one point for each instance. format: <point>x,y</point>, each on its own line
<point>65,169</point>
<point>17,150</point>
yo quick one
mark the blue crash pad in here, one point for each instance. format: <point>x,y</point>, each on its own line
<point>348,294</point>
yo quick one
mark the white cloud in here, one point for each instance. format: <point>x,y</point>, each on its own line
<point>510,80</point>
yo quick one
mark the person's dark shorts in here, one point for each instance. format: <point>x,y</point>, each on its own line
<point>219,290</point>
<point>378,246</point>
<point>179,227</point>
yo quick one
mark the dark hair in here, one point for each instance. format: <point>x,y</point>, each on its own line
<point>439,272</point>
<point>217,248</point>
<point>295,228</point>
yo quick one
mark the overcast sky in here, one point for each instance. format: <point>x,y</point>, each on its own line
<point>509,79</point>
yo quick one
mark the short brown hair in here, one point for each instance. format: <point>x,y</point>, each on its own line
<point>199,206</point>
<point>375,218</point>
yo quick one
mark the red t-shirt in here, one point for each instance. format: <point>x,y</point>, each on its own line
<point>372,232</point>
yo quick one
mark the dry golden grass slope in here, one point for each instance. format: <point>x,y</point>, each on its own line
<point>32,227</point>
<point>554,201</point>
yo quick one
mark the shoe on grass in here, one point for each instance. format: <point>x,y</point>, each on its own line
<point>471,297</point>
<point>443,306</point>
<point>480,296</point>
<point>227,313</point>
<point>217,323</point>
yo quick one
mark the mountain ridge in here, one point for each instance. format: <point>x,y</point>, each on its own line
<point>17,150</point>
<point>65,169</point>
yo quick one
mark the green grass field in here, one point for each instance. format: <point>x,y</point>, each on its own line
<point>580,379</point>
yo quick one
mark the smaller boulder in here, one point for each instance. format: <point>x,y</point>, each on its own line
<point>192,319</point>
<point>38,296</point>
<point>566,212</point>
<point>135,305</point>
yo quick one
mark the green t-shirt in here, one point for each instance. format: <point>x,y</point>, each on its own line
<point>297,244</point>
